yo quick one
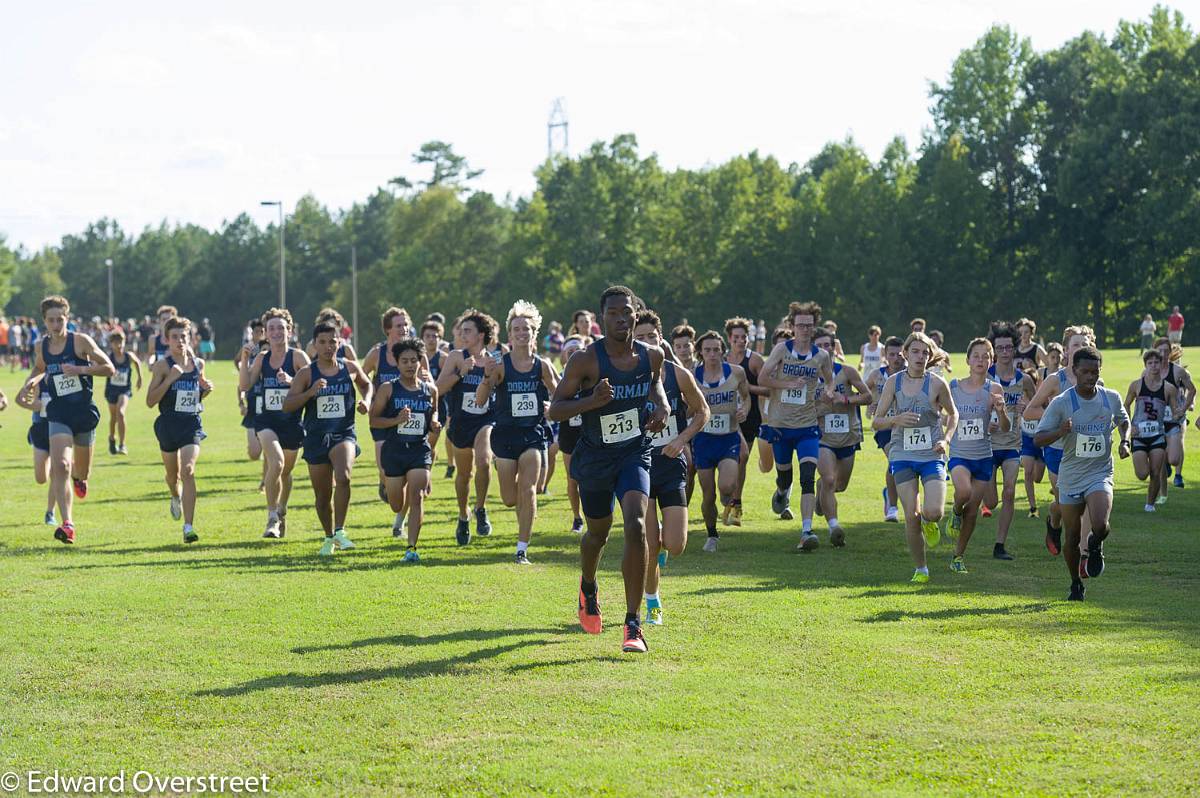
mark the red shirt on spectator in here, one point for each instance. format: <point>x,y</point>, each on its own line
<point>1175,322</point>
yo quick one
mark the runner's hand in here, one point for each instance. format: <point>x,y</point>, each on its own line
<point>602,394</point>
<point>909,419</point>
<point>658,420</point>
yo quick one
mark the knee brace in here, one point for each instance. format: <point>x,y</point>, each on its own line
<point>808,472</point>
<point>783,479</point>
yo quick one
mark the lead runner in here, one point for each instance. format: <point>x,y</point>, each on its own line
<point>613,378</point>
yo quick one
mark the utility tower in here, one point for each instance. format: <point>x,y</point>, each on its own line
<point>556,142</point>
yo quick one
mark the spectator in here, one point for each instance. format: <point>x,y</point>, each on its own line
<point>145,336</point>
<point>1175,326</point>
<point>553,342</point>
<point>207,345</point>
<point>1148,329</point>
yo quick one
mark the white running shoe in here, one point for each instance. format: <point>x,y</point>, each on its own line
<point>176,508</point>
<point>710,545</point>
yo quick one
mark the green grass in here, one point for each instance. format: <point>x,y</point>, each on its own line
<point>776,674</point>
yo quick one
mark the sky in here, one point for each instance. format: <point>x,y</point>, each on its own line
<point>145,111</point>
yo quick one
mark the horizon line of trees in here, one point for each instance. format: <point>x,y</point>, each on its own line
<point>1063,186</point>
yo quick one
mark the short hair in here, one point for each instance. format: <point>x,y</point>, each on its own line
<point>737,323</point>
<point>617,290</point>
<point>435,325</point>
<point>119,335</point>
<point>1151,354</point>
<point>1164,341</point>
<point>831,325</point>
<point>390,315</point>
<point>1056,347</point>
<point>648,317</point>
<point>256,323</point>
<point>915,322</point>
<point>936,334</point>
<point>893,340</point>
<point>1024,322</point>
<point>174,311</point>
<point>683,331</point>
<point>55,301</point>
<point>407,345</point>
<point>581,312</point>
<point>781,334</point>
<point>711,335</point>
<point>438,317</point>
<point>980,342</point>
<point>325,326</point>
<point>329,314</point>
<point>1088,352</point>
<point>482,321</point>
<point>177,323</point>
<point>1078,329</point>
<point>1003,329</point>
<point>823,332</point>
<point>874,328</point>
<point>808,308</point>
<point>523,309</point>
<point>278,313</point>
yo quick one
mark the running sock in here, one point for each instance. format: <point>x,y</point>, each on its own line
<point>187,527</point>
<point>651,597</point>
<point>806,525</point>
<point>522,545</point>
<point>588,588</point>
<point>924,569</point>
<point>832,522</point>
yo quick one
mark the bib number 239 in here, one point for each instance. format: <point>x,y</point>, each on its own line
<point>619,427</point>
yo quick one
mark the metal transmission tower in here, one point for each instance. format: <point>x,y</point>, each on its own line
<point>557,143</point>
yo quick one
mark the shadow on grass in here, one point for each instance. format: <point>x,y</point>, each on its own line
<point>892,616</point>
<point>429,640</point>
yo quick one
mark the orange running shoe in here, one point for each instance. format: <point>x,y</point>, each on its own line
<point>80,488</point>
<point>634,642</point>
<point>65,533</point>
<point>589,611</point>
<point>985,512</point>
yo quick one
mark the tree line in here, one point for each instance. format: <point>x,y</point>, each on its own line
<point>1062,185</point>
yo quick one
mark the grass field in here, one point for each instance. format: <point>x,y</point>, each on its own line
<point>776,674</point>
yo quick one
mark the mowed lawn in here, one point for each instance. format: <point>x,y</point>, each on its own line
<point>777,673</point>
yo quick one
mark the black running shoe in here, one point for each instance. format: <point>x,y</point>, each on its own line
<point>1077,591</point>
<point>112,445</point>
<point>483,527</point>
<point>1095,558</point>
<point>1053,539</point>
<point>1001,553</point>
<point>463,533</point>
<point>449,472</point>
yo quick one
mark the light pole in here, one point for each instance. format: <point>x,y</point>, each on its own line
<point>282,272</point>
<point>108,263</point>
<point>354,294</point>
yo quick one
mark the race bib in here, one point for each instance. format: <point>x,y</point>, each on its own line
<point>620,427</point>
<point>331,406</point>
<point>918,439</point>
<point>718,424</point>
<point>575,421</point>
<point>66,384</point>
<point>524,405</point>
<point>1149,429</point>
<point>469,405</point>
<point>120,379</point>
<point>1168,414</point>
<point>837,424</point>
<point>795,396</point>
<point>273,398</point>
<point>1028,427</point>
<point>970,429</point>
<point>187,401</point>
<point>414,426</point>
<point>1089,446</point>
<point>668,433</point>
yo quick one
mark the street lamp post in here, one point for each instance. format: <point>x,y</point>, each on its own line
<point>282,271</point>
<point>108,263</point>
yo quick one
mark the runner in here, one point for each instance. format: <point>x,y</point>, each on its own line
<point>72,415</point>
<point>740,339</point>
<point>870,354</point>
<point>717,448</point>
<point>118,390</point>
<point>978,400</point>
<point>893,357</point>
<point>178,386</point>
<point>1007,445</point>
<point>268,375</point>
<point>614,379</point>
<point>164,313</point>
<point>924,415</point>
<point>1081,420</point>
<point>1030,354</point>
<point>668,465</point>
<point>841,437</point>
<point>1074,337</point>
<point>522,383</point>
<point>36,398</point>
<point>1054,360</point>
<point>568,437</point>
<point>345,351</point>
<point>1152,396</point>
<point>470,423</point>
<point>793,372</point>
<point>381,369</point>
<point>683,343</point>
<point>405,407</point>
<point>1176,420</point>
<point>766,454</point>
<point>431,336</point>
<point>326,391</point>
<point>250,400</point>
